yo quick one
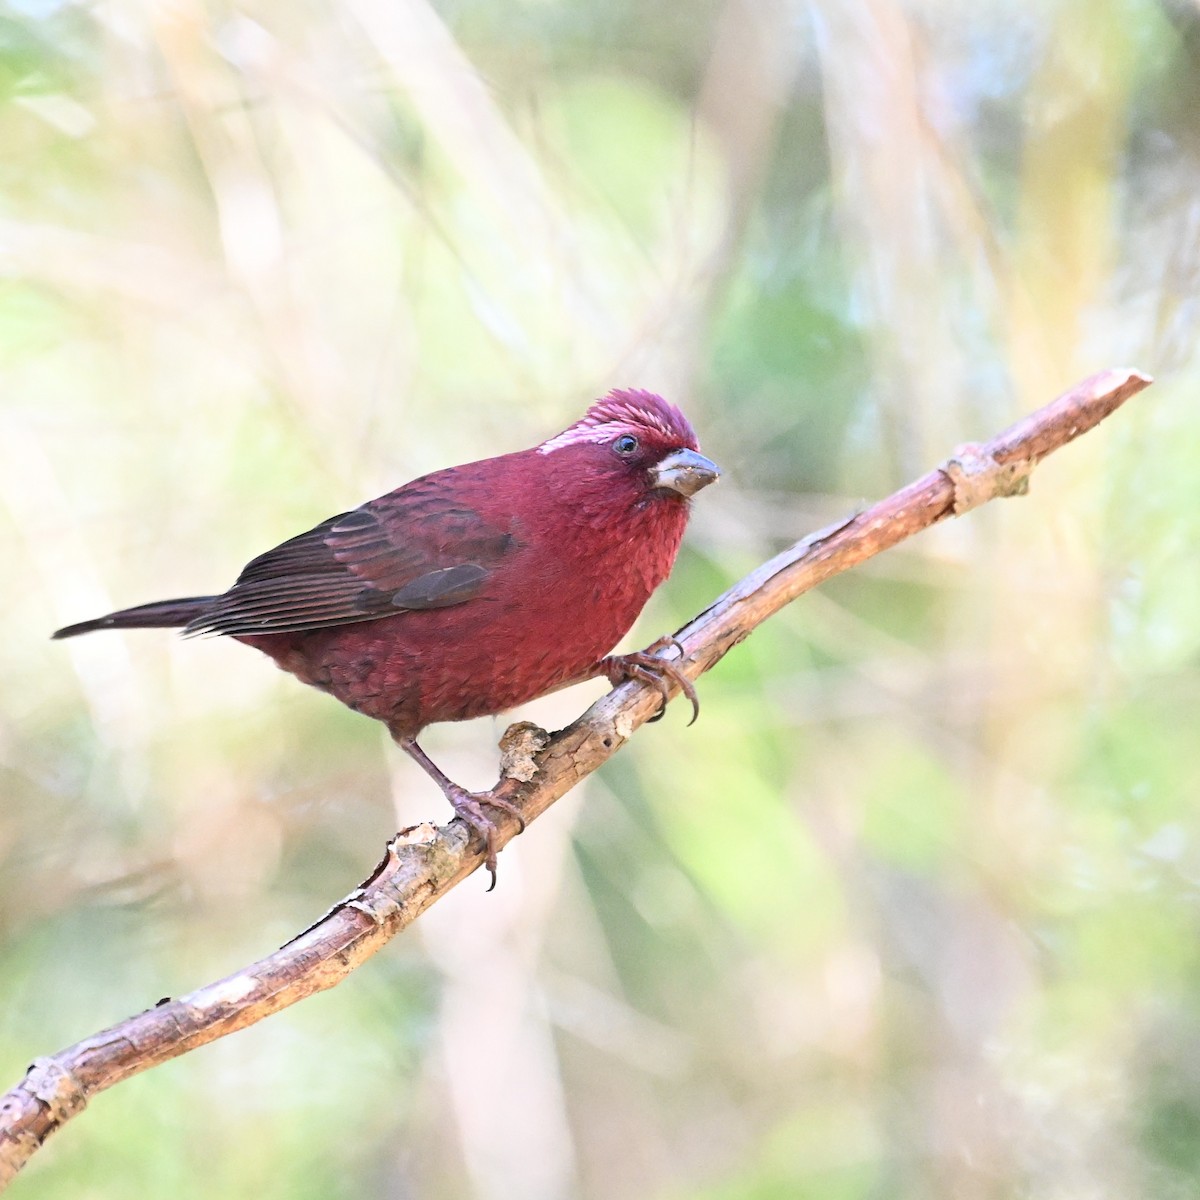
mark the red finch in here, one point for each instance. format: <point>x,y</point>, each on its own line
<point>476,588</point>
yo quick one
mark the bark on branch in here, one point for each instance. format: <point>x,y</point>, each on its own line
<point>425,861</point>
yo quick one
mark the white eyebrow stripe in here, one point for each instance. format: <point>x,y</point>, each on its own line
<point>607,429</point>
<point>580,434</point>
<point>572,437</point>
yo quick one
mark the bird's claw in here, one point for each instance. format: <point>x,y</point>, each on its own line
<point>469,806</point>
<point>646,667</point>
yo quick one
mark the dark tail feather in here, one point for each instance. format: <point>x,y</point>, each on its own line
<point>162,614</point>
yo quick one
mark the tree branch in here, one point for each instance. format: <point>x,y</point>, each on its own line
<point>425,861</point>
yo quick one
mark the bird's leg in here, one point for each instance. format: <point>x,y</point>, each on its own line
<point>646,666</point>
<point>468,805</point>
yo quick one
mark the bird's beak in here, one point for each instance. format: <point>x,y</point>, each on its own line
<point>685,472</point>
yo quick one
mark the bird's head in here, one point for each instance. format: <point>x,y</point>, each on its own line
<point>637,439</point>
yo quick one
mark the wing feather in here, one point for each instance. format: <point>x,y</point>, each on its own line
<point>416,548</point>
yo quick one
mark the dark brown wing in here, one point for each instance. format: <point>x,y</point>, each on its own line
<point>415,548</point>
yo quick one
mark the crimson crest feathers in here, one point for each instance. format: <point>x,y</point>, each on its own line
<point>626,410</point>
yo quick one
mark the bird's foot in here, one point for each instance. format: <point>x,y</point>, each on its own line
<point>646,667</point>
<point>469,806</point>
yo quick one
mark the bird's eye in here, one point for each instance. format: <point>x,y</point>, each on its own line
<point>626,445</point>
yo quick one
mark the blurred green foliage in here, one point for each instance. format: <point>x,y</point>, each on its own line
<point>912,911</point>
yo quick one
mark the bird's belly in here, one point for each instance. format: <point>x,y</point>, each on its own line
<point>417,668</point>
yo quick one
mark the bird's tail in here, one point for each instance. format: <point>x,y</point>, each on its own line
<point>162,614</point>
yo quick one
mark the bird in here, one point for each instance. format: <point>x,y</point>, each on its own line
<point>475,588</point>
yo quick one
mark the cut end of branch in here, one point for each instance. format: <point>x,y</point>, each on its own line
<point>1073,413</point>
<point>1129,374</point>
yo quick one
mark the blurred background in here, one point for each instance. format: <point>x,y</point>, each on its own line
<point>914,910</point>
